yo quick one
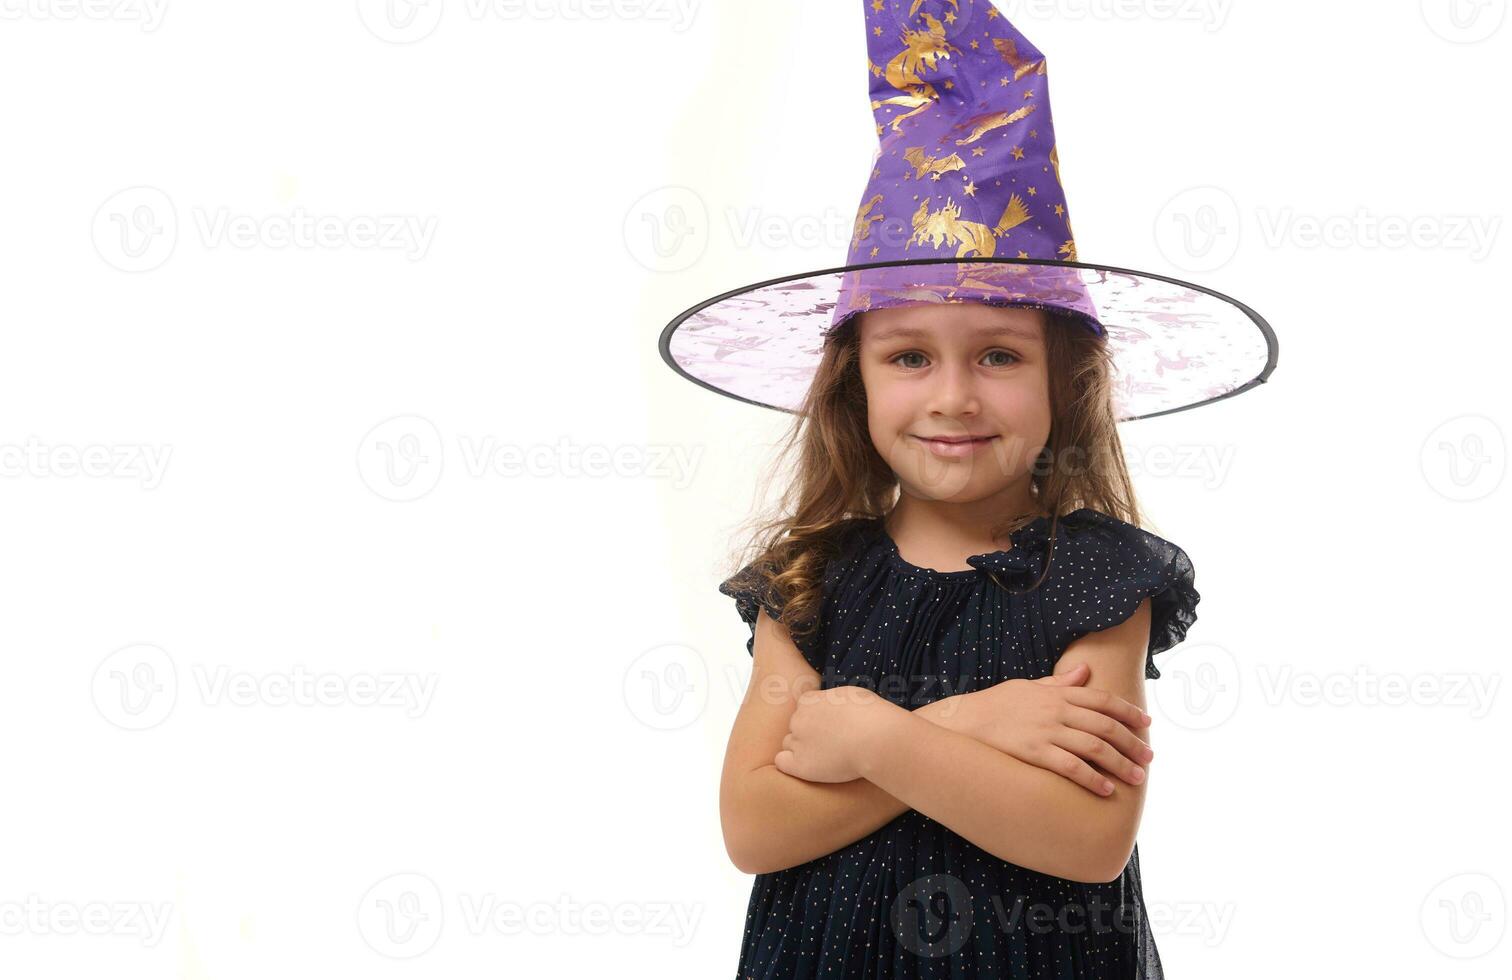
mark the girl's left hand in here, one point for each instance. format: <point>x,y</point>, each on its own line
<point>829,730</point>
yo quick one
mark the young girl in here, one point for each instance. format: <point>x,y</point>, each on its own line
<point>939,766</point>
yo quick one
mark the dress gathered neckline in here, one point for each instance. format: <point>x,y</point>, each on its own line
<point>1028,541</point>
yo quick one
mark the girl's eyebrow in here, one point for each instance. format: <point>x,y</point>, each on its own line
<point>988,331</point>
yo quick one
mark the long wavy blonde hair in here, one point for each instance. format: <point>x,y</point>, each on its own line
<point>840,480</point>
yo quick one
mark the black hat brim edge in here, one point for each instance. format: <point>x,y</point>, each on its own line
<point>1273,347</point>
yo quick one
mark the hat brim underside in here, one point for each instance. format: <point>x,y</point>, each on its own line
<point>1175,345</point>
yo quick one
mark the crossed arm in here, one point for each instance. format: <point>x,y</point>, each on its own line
<point>925,760</point>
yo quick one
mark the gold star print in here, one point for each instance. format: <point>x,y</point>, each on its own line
<point>1018,153</point>
<point>879,129</point>
<point>1032,192</point>
<point>874,251</point>
<point>970,188</point>
<point>877,172</point>
<point>877,31</point>
<point>1029,94</point>
<point>992,13</point>
<point>977,151</point>
<point>934,176</point>
<point>1022,254</point>
<point>878,5</point>
<point>949,84</point>
<point>1060,210</point>
<point>975,45</point>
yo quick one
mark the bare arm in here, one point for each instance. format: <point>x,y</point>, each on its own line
<point>772,820</point>
<point>1018,812</point>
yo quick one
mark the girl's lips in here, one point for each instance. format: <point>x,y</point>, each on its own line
<point>955,450</point>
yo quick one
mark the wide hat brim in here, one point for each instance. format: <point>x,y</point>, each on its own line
<point>1175,345</point>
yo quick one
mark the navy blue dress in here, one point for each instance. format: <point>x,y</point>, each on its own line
<point>913,898</point>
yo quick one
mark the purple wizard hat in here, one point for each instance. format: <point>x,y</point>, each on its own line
<point>964,203</point>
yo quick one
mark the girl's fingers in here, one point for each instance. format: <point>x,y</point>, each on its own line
<point>1111,705</point>
<point>1067,764</point>
<point>1094,748</point>
<point>1075,675</point>
<point>1132,747</point>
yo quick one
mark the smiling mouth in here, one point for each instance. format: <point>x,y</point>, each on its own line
<point>954,441</point>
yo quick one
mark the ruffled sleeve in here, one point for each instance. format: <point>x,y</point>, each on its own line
<point>1103,569</point>
<point>746,588</point>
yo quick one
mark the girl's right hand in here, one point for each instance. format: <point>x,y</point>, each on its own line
<point>1056,724</point>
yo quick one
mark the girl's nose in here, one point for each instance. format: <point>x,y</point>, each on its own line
<point>954,391</point>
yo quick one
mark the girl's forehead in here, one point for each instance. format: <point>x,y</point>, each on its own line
<point>941,320</point>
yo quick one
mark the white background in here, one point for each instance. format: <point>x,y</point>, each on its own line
<point>306,675</point>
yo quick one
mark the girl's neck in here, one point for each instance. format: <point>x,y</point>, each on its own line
<point>950,530</point>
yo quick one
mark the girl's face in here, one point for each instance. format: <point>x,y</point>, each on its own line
<point>957,371</point>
